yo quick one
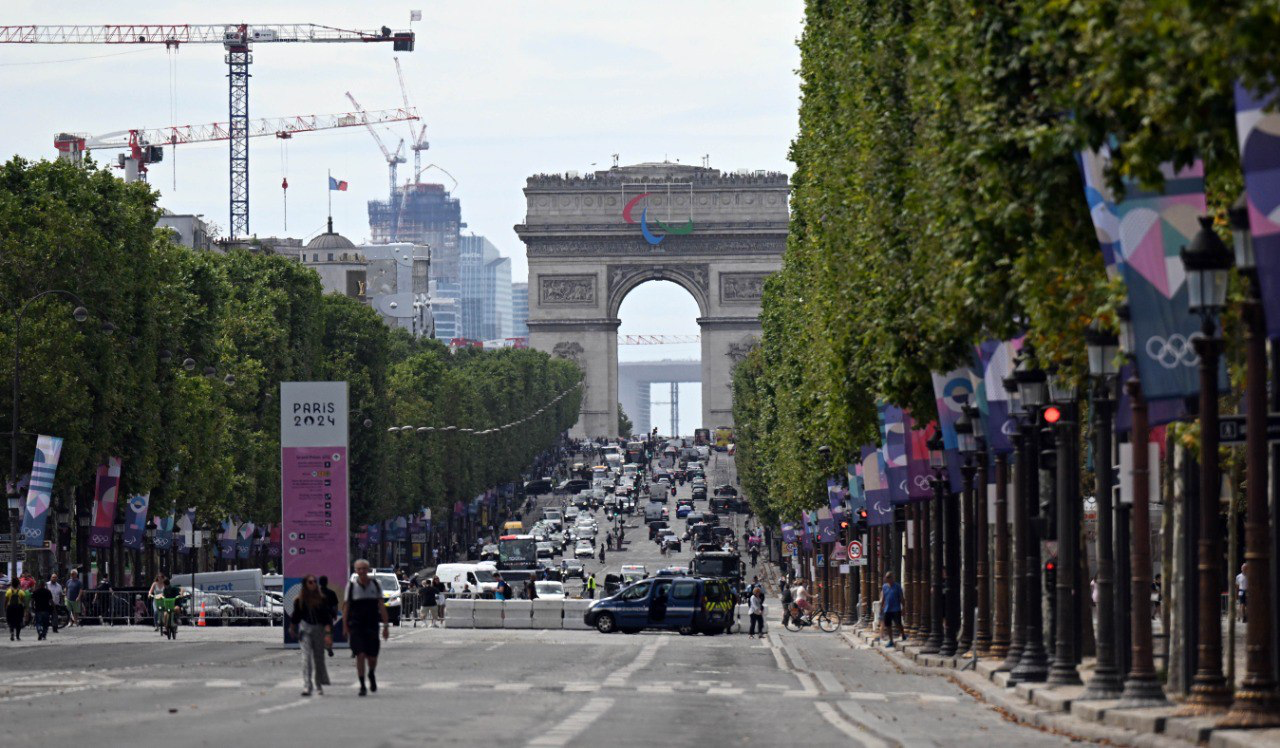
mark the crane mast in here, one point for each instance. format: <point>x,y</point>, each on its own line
<point>236,40</point>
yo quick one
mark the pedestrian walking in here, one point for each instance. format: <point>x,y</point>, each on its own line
<point>755,608</point>
<point>312,625</point>
<point>437,612</point>
<point>755,555</point>
<point>891,606</point>
<point>361,612</point>
<point>530,589</point>
<point>56,590</point>
<point>41,609</point>
<point>602,554</point>
<point>331,600</point>
<point>74,588</point>
<point>15,611</point>
<point>1242,596</point>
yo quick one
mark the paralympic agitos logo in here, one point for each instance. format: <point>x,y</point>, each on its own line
<point>649,236</point>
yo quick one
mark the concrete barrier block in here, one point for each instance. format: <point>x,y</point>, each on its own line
<point>573,612</point>
<point>548,614</point>
<point>488,614</point>
<point>457,614</point>
<point>517,614</point>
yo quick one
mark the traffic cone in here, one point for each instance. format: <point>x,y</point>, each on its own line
<point>201,621</point>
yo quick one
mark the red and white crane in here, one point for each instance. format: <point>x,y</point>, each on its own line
<point>144,144</point>
<point>236,39</point>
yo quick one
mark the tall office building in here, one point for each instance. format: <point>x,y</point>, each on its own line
<point>519,310</point>
<point>497,302</point>
<point>486,289</point>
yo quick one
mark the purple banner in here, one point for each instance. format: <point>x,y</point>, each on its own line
<point>857,493</point>
<point>1259,134</point>
<point>227,540</point>
<point>135,521</point>
<point>826,526</point>
<point>105,494</point>
<point>953,390</point>
<point>40,490</point>
<point>788,532</point>
<point>375,533</point>
<point>162,540</point>
<point>244,540</point>
<point>875,484</point>
<point>918,473</point>
<point>893,431</point>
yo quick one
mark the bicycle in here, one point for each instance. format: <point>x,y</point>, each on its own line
<point>824,619</point>
<point>168,610</point>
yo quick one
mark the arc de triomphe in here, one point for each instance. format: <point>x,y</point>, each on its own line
<point>592,239</point>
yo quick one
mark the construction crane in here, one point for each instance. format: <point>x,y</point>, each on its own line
<point>236,39</point>
<point>658,339</point>
<point>145,145</point>
<point>417,141</point>
<point>393,159</point>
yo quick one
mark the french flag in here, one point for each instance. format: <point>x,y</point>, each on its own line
<point>334,184</point>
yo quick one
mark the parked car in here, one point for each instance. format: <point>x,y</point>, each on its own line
<point>584,549</point>
<point>538,486</point>
<point>549,590</point>
<point>685,604</point>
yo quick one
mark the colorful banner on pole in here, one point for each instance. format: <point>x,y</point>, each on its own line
<point>1259,134</point>
<point>953,391</point>
<point>40,490</point>
<point>1142,237</point>
<point>135,521</point>
<point>162,540</point>
<point>876,486</point>
<point>244,540</point>
<point>893,434</point>
<point>314,502</point>
<point>105,495</point>
<point>995,361</point>
<point>788,532</point>
<point>919,487</point>
<point>826,525</point>
<point>185,539</point>
<point>227,539</point>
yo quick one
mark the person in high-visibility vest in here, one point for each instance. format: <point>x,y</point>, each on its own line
<point>591,587</point>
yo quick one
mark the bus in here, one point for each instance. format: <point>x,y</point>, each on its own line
<point>517,552</point>
<point>724,437</point>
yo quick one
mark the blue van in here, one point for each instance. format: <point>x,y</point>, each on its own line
<point>686,604</point>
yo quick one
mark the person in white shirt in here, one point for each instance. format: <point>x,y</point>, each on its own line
<point>1242,598</point>
<point>55,589</point>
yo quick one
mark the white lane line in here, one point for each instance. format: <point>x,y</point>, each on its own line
<point>829,681</point>
<point>282,707</point>
<point>866,696</point>
<point>223,684</point>
<point>512,686</point>
<point>438,686</point>
<point>831,715</point>
<point>939,698</point>
<point>619,677</point>
<point>574,724</point>
<point>806,682</point>
<point>654,688</point>
<point>721,691</point>
<point>581,687</point>
<point>493,646</point>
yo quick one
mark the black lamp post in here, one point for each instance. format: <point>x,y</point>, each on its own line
<point>1208,265</point>
<point>1033,393</point>
<point>1017,608</point>
<point>966,598</point>
<point>1103,347</point>
<point>982,547</point>
<point>1063,670</point>
<point>933,644</point>
<point>1257,702</point>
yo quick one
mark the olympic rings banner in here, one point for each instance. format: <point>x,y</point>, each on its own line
<point>35,512</point>
<point>1142,237</point>
<point>893,439</point>
<point>1259,133</point>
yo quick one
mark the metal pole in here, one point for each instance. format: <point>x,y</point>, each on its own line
<point>1141,688</point>
<point>1063,670</point>
<point>1257,702</point>
<point>1105,683</point>
<point>982,631</point>
<point>1018,628</point>
<point>952,570</point>
<point>933,644</point>
<point>969,585</point>
<point>1034,663</point>
<point>1209,692</point>
<point>1000,569</point>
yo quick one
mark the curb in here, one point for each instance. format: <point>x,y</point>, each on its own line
<point>1058,710</point>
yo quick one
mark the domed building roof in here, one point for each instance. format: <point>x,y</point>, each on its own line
<point>330,240</point>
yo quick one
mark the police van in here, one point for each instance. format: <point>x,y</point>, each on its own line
<point>686,604</point>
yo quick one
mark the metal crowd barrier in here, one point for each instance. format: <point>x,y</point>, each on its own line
<point>131,608</point>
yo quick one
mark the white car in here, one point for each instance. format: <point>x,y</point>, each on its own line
<point>549,590</point>
<point>584,548</point>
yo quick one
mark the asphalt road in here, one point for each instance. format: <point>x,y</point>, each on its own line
<point>235,686</point>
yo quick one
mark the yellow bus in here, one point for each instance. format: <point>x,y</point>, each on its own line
<point>514,527</point>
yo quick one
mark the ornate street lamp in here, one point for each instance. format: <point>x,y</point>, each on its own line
<point>982,546</point>
<point>1102,347</point>
<point>933,644</point>
<point>967,597</point>
<point>1208,265</point>
<point>1257,702</point>
<point>1011,611</point>
<point>1033,666</point>
<point>1066,643</point>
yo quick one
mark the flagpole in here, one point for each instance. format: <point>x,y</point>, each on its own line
<point>328,188</point>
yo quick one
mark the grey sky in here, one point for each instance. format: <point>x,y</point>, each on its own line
<point>507,89</point>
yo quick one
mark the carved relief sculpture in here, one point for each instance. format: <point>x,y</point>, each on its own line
<point>742,287</point>
<point>738,350</point>
<point>570,350</point>
<point>567,289</point>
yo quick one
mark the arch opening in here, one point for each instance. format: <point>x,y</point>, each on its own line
<point>662,314</point>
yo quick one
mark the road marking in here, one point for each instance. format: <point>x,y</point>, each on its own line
<point>619,677</point>
<point>223,684</point>
<point>154,683</point>
<point>437,686</point>
<point>654,688</point>
<point>574,724</point>
<point>806,682</point>
<point>829,681</point>
<point>581,687</point>
<point>721,691</point>
<point>512,686</point>
<point>867,696</point>
<point>937,698</point>
<point>282,707</point>
<point>493,646</point>
<point>831,715</point>
<point>773,686</point>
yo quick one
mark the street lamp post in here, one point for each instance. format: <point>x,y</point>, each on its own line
<point>1101,345</point>
<point>1033,666</point>
<point>1063,670</point>
<point>933,644</point>
<point>1208,263</point>
<point>967,597</point>
<point>982,567</point>
<point>1017,597</point>
<point>1257,702</point>
<point>1000,567</point>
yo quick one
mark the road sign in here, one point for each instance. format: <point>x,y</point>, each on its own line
<point>1231,429</point>
<point>855,550</point>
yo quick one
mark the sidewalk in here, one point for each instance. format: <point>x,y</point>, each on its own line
<point>1058,708</point>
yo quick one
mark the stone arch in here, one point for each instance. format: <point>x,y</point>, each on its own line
<point>692,277</point>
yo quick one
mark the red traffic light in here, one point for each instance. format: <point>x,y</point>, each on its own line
<point>1050,566</point>
<point>1052,414</point>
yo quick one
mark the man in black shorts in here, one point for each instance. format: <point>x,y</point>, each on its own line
<point>361,610</point>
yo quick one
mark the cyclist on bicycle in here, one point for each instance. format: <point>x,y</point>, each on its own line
<point>801,604</point>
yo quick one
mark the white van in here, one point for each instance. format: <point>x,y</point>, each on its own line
<point>467,580</point>
<point>554,517</point>
<point>246,583</point>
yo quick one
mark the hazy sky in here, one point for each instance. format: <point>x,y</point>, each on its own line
<point>507,89</point>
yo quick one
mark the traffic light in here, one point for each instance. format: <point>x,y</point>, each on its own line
<point>1051,574</point>
<point>1052,415</point>
<point>862,518</point>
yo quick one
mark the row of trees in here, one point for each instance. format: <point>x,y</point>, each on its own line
<point>198,438</point>
<point>938,201</point>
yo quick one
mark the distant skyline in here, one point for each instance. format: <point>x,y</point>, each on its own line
<point>507,89</point>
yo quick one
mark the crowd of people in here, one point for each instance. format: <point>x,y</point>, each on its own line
<point>42,603</point>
